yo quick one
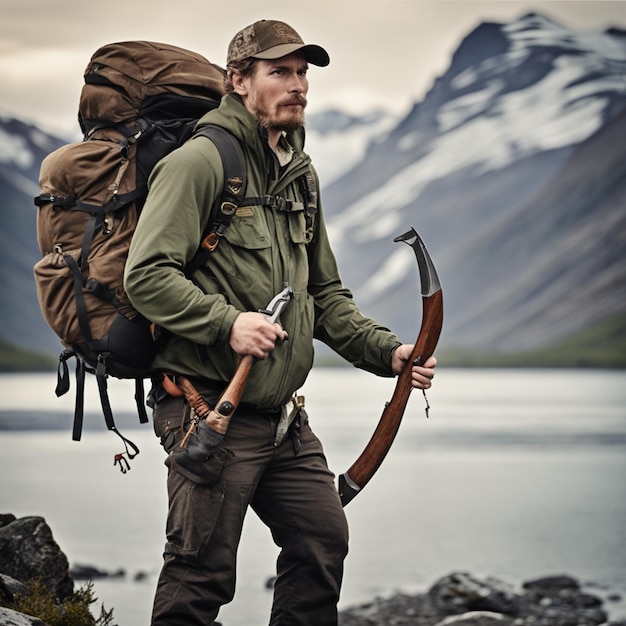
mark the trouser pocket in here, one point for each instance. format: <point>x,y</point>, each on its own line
<point>195,497</point>
<point>194,509</point>
<point>202,472</point>
<point>168,417</point>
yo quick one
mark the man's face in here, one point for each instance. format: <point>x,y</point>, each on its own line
<point>276,92</point>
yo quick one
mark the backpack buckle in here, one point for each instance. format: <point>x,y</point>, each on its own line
<point>210,241</point>
<point>228,208</point>
<point>277,203</point>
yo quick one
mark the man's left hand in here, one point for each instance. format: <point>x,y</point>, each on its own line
<point>422,375</point>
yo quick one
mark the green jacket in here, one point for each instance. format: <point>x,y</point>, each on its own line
<point>261,251</point>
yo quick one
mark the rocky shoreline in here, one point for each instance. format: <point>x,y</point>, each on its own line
<point>461,599</point>
<point>28,551</point>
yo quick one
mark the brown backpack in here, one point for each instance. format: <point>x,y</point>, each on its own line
<point>139,102</point>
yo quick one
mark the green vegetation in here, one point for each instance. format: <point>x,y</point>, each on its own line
<point>13,359</point>
<point>601,346</point>
<point>41,603</point>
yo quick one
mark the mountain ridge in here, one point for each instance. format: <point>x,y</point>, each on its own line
<point>477,158</point>
<point>510,167</point>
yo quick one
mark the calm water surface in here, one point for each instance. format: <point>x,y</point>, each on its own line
<point>516,474</point>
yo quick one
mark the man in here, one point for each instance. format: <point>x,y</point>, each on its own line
<point>269,459</point>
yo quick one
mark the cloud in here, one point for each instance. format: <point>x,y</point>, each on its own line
<point>384,53</point>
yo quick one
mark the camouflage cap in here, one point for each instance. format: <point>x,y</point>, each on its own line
<point>270,39</point>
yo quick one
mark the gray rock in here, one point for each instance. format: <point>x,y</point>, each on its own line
<point>461,592</point>
<point>9,587</point>
<point>461,599</point>
<point>9,617</point>
<point>28,550</point>
<point>551,584</point>
<point>6,518</point>
<point>476,618</point>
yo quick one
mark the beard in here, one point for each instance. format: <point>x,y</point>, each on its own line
<point>282,116</point>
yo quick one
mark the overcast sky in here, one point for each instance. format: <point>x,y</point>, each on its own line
<point>384,53</point>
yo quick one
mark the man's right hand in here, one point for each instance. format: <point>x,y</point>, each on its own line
<point>251,333</point>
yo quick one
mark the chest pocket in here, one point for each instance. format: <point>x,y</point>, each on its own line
<point>301,215</point>
<point>297,224</point>
<point>249,228</point>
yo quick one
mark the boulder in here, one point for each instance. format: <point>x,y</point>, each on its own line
<point>559,601</point>
<point>28,550</point>
<point>460,592</point>
<point>91,572</point>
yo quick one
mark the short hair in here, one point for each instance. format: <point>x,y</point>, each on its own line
<point>245,67</point>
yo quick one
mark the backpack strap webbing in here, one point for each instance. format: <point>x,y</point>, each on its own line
<point>234,184</point>
<point>101,379</point>
<point>232,195</point>
<point>63,385</point>
<point>308,188</point>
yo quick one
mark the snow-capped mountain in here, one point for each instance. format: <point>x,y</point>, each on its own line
<point>512,169</point>
<point>22,148</point>
<point>512,91</point>
<point>492,138</point>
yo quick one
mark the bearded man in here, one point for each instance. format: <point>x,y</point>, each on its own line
<point>270,459</point>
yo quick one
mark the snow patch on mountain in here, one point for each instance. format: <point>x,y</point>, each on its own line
<point>535,30</point>
<point>555,112</point>
<point>493,123</point>
<point>390,274</point>
<point>14,150</point>
<point>337,141</point>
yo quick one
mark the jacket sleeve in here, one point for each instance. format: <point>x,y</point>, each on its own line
<point>338,321</point>
<point>182,190</point>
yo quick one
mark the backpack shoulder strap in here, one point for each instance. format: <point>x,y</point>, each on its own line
<point>308,188</point>
<point>234,189</point>
<point>234,183</point>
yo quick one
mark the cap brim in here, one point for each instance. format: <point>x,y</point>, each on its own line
<point>312,53</point>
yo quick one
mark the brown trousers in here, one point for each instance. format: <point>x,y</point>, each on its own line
<point>294,495</point>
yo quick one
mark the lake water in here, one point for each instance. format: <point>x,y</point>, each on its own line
<point>516,474</point>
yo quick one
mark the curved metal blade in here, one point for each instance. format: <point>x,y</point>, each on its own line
<point>428,274</point>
